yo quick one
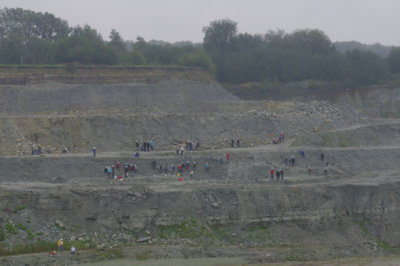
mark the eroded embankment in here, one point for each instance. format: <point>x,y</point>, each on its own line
<point>244,164</point>
<point>303,215</point>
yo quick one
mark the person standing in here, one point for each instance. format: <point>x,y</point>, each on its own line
<point>60,245</point>
<point>227,156</point>
<point>272,171</point>
<point>232,143</point>
<point>132,170</point>
<point>151,145</point>
<point>109,172</point>
<point>172,169</point>
<point>281,174</point>
<point>94,151</point>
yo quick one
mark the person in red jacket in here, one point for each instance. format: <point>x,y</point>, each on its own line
<point>227,156</point>
<point>272,171</point>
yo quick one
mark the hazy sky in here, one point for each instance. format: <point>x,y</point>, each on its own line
<point>367,21</point>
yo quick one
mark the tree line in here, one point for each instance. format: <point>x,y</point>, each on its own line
<point>28,37</point>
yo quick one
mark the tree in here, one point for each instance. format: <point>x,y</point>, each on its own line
<point>30,24</point>
<point>117,43</point>
<point>11,50</point>
<point>218,35</point>
<point>133,58</point>
<point>86,46</point>
<point>364,67</point>
<point>198,59</point>
<point>393,60</point>
<point>311,42</point>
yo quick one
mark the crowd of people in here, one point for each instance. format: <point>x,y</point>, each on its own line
<point>292,161</point>
<point>279,139</point>
<point>114,171</point>
<point>37,149</point>
<point>144,145</point>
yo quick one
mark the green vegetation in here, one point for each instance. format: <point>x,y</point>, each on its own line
<point>28,37</point>
<point>20,226</point>
<point>28,247</point>
<point>190,229</point>
<point>102,255</point>
<point>11,229</point>
<point>30,234</point>
<point>295,258</point>
<point>45,246</point>
<point>143,255</point>
<point>380,243</point>
<point>223,233</point>
<point>259,233</point>
<point>80,245</point>
<point>20,208</point>
<point>2,235</point>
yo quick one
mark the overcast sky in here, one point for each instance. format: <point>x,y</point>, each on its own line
<point>366,21</point>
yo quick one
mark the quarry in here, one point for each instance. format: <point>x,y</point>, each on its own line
<point>346,206</point>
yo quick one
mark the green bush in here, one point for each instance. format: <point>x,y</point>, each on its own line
<point>10,228</point>
<point>29,247</point>
<point>2,235</point>
<point>20,226</point>
<point>20,208</point>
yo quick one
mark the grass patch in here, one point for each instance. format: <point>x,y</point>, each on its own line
<point>20,208</point>
<point>295,258</point>
<point>31,236</point>
<point>20,226</point>
<point>380,243</point>
<point>143,255</point>
<point>384,245</point>
<point>259,233</point>
<point>2,235</point>
<point>46,246</point>
<point>11,229</point>
<point>107,255</point>
<point>190,229</point>
<point>80,245</point>
<point>28,247</point>
<point>224,233</point>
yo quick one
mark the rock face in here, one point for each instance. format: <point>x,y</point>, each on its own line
<point>346,205</point>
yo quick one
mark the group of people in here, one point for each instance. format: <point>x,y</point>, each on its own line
<point>278,173</point>
<point>179,168</point>
<point>38,149</point>
<point>188,146</point>
<point>279,139</point>
<point>60,245</point>
<point>237,143</point>
<point>145,145</point>
<point>114,171</point>
<point>302,153</point>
